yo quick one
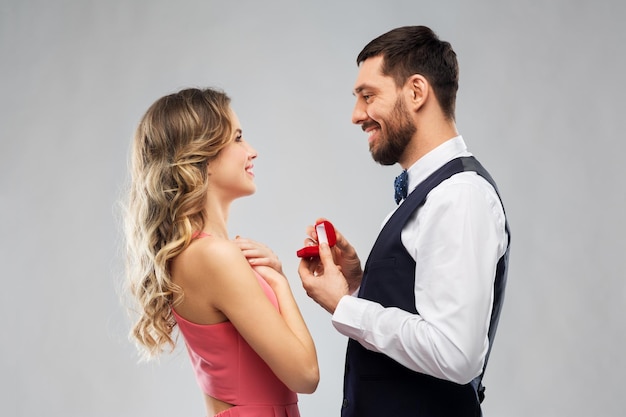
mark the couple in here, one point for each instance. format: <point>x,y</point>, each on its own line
<point>420,316</point>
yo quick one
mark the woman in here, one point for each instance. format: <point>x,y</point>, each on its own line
<point>249,346</point>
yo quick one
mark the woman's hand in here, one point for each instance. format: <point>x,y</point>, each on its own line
<point>271,276</point>
<point>258,254</point>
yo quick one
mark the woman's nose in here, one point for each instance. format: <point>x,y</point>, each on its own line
<point>252,152</point>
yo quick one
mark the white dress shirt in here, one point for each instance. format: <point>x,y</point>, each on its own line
<point>456,239</point>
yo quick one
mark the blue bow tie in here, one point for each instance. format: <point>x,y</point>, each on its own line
<point>401,185</point>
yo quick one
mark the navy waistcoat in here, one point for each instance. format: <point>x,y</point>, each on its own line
<point>378,386</point>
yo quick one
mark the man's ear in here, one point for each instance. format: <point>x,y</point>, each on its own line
<point>417,88</point>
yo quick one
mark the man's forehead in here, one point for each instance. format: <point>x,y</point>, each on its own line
<point>372,65</point>
<point>370,73</point>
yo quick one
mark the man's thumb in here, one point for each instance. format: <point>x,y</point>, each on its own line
<point>326,255</point>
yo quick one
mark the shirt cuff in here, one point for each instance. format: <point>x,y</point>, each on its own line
<point>348,316</point>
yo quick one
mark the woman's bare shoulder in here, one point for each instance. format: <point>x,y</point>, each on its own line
<point>208,259</point>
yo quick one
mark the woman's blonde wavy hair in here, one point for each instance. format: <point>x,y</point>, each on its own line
<point>174,142</point>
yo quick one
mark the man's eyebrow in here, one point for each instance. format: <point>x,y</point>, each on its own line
<point>358,89</point>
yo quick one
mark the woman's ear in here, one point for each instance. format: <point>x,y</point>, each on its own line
<point>417,88</point>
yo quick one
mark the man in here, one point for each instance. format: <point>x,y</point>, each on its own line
<point>422,315</point>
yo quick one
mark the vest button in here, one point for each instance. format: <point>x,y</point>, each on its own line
<point>344,404</point>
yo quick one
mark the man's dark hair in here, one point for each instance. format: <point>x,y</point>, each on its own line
<point>412,50</point>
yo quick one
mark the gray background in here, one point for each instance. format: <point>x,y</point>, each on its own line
<point>541,104</point>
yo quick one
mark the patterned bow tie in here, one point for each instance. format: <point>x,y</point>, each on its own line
<point>401,185</point>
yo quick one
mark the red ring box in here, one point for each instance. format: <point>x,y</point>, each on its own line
<point>325,234</point>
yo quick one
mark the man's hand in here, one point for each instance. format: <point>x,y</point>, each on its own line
<point>322,279</point>
<point>348,261</point>
<point>344,255</point>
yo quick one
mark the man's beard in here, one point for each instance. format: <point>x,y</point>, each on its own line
<point>395,138</point>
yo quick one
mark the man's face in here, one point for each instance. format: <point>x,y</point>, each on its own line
<point>382,113</point>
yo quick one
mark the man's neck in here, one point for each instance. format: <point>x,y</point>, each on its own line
<point>425,140</point>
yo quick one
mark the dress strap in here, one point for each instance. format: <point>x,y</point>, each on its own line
<point>199,234</point>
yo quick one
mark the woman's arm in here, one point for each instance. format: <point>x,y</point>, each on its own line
<point>280,337</point>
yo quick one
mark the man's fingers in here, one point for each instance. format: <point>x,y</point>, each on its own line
<point>326,256</point>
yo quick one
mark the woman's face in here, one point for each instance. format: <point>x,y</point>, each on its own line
<point>230,173</point>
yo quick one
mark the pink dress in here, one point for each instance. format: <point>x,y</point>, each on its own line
<point>228,369</point>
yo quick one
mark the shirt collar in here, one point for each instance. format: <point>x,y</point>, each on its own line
<point>435,159</point>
